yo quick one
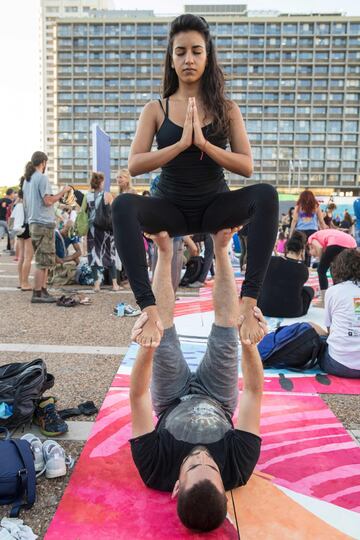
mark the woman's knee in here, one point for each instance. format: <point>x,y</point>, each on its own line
<point>267,195</point>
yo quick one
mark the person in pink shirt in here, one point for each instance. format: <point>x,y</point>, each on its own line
<point>327,244</point>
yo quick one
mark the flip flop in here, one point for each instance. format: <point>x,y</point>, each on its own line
<point>66,301</point>
<point>25,290</point>
<point>81,299</point>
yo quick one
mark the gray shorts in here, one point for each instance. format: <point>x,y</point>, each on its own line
<point>216,376</point>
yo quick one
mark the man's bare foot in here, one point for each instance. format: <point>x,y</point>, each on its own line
<point>251,332</point>
<point>152,331</point>
<point>222,238</point>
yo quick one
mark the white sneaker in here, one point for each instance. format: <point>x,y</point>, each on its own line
<point>55,459</point>
<point>37,449</point>
<point>129,311</point>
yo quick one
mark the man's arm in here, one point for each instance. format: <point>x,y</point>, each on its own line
<point>253,381</point>
<point>140,398</point>
<point>49,200</point>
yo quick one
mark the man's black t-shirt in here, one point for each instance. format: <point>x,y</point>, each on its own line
<point>4,203</point>
<point>195,420</point>
<point>281,293</point>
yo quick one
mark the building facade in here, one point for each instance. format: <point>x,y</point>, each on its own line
<point>295,78</point>
<point>51,11</point>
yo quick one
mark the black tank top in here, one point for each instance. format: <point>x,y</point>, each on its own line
<point>187,179</point>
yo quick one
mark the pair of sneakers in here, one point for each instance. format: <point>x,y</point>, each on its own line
<point>49,456</point>
<point>125,310</point>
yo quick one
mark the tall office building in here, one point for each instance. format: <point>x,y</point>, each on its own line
<point>296,79</point>
<point>51,11</point>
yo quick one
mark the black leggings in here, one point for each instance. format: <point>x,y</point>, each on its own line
<point>328,256</point>
<point>133,214</point>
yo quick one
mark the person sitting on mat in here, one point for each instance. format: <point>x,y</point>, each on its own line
<point>194,450</point>
<point>341,355</point>
<point>199,133</point>
<point>283,293</point>
<point>326,245</point>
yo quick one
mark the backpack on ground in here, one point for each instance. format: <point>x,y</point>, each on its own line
<point>296,346</point>
<point>193,271</point>
<point>21,386</point>
<point>17,474</point>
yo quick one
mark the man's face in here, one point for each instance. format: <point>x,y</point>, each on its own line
<point>44,163</point>
<point>198,466</point>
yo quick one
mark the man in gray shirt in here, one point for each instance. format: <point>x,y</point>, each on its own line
<point>40,215</point>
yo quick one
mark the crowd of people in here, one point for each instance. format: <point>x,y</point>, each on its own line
<point>195,450</point>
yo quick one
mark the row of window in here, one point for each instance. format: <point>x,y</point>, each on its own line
<point>224,56</point>
<point>246,83</point>
<point>264,164</point>
<point>271,69</point>
<point>275,178</point>
<point>234,29</point>
<point>304,153</point>
<point>288,138</point>
<point>315,126</point>
<point>270,137</point>
<point>242,97</point>
<point>250,109</point>
<point>292,97</point>
<point>267,126</point>
<point>292,42</point>
<point>287,56</point>
<point>65,56</point>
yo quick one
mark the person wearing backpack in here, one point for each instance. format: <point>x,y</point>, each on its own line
<point>341,354</point>
<point>23,241</point>
<point>284,293</point>
<point>195,450</point>
<point>6,204</point>
<point>100,242</point>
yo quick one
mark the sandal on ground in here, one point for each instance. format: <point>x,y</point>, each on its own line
<point>80,298</point>
<point>66,301</point>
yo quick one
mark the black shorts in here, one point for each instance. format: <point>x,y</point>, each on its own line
<point>26,234</point>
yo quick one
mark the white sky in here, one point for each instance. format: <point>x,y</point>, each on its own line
<point>19,68</point>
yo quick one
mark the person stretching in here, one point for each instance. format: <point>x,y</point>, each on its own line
<point>326,245</point>
<point>193,126</point>
<point>194,450</point>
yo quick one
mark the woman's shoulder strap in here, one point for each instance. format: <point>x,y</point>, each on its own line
<point>162,106</point>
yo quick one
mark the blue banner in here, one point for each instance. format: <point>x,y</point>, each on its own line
<point>101,154</point>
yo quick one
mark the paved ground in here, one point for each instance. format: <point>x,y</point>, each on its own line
<point>79,375</point>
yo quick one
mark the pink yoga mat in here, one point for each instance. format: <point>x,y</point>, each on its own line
<point>304,447</point>
<point>304,385</point>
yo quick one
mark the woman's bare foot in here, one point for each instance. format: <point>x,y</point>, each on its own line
<point>250,331</point>
<point>116,287</point>
<point>26,287</point>
<point>152,331</point>
<point>97,286</point>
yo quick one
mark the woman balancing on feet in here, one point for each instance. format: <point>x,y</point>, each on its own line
<point>193,125</point>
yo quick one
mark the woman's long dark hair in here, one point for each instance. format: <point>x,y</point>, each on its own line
<point>213,82</point>
<point>37,158</point>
